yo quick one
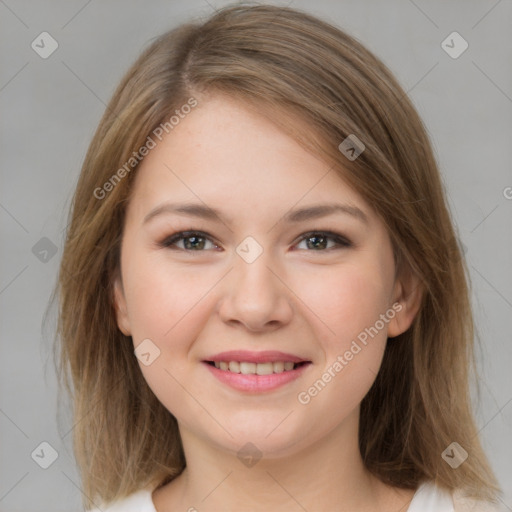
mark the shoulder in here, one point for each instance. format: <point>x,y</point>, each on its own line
<point>463,503</point>
<point>430,497</point>
<point>139,501</point>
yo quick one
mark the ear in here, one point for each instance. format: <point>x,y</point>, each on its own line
<point>120,306</point>
<point>408,293</point>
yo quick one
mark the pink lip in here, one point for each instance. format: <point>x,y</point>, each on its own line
<point>255,357</point>
<point>256,383</point>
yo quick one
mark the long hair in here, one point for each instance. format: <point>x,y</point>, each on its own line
<point>289,65</point>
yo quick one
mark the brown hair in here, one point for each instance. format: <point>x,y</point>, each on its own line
<point>281,61</point>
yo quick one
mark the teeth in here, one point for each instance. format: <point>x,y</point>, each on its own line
<point>278,367</point>
<point>248,368</point>
<point>234,366</point>
<point>264,368</point>
<point>255,368</point>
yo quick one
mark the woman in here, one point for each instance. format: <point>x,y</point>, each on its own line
<point>263,301</point>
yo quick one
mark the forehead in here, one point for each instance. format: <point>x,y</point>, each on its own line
<point>230,157</point>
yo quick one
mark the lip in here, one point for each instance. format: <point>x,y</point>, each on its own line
<point>266,356</point>
<point>256,383</point>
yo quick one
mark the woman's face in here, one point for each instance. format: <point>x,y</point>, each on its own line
<point>261,289</point>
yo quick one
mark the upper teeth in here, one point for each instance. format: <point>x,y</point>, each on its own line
<point>255,368</point>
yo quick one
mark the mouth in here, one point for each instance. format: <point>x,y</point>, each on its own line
<point>248,368</point>
<point>256,371</point>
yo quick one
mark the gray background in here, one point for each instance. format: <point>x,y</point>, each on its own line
<point>50,108</point>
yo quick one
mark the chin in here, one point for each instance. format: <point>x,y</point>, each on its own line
<point>267,434</point>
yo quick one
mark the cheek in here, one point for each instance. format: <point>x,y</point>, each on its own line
<point>167,305</point>
<point>162,297</point>
<point>346,301</point>
<point>349,304</point>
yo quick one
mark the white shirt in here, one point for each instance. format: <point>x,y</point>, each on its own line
<point>427,498</point>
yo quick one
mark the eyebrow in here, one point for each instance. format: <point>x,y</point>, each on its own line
<point>206,212</point>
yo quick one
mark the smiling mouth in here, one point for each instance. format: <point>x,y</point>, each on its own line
<point>249,368</point>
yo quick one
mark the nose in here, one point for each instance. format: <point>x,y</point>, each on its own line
<point>256,296</point>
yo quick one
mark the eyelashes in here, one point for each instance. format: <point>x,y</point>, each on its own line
<point>198,241</point>
<point>170,241</point>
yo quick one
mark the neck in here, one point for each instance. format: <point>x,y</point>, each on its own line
<point>326,475</point>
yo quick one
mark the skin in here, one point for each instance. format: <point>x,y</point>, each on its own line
<point>295,298</point>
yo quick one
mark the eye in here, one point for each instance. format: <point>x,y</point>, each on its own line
<point>193,241</point>
<point>197,241</point>
<point>319,240</point>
